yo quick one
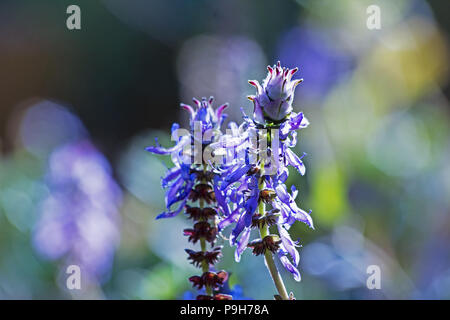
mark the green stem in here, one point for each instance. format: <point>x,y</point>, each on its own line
<point>270,263</point>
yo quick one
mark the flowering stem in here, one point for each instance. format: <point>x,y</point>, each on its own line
<point>270,263</point>
<point>205,266</point>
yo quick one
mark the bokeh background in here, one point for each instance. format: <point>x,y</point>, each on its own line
<point>77,109</point>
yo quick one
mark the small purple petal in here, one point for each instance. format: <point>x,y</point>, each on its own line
<point>161,150</point>
<point>290,267</point>
<point>173,190</point>
<point>294,192</point>
<point>289,245</point>
<point>221,200</point>
<point>295,161</point>
<point>229,220</point>
<point>219,111</point>
<point>244,221</point>
<point>170,214</point>
<point>189,109</point>
<point>235,176</point>
<point>282,194</point>
<point>242,244</point>
<point>170,176</point>
<point>296,121</point>
<point>175,127</point>
<point>303,216</point>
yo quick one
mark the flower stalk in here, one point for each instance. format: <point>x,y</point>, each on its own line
<point>248,190</point>
<point>191,185</point>
<point>264,231</point>
<point>205,265</point>
<point>258,178</point>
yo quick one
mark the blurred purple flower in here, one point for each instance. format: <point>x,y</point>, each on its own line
<point>321,62</point>
<point>79,218</point>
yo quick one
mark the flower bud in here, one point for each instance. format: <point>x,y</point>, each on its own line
<point>273,101</point>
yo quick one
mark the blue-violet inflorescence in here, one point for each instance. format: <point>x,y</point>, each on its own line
<point>189,186</point>
<point>242,183</point>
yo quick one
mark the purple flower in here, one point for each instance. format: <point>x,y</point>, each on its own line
<point>274,98</point>
<point>209,118</point>
<point>180,179</point>
<point>79,218</point>
<point>196,182</point>
<point>259,175</point>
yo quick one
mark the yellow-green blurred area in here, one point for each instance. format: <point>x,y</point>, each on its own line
<point>78,108</point>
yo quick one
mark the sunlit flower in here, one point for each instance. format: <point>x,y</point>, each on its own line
<point>247,184</point>
<point>273,101</point>
<point>191,182</point>
<point>179,181</point>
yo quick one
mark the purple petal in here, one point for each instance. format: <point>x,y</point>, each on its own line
<point>221,200</point>
<point>282,194</point>
<point>229,220</point>
<point>294,192</point>
<point>173,190</point>
<point>295,161</point>
<point>289,245</point>
<point>175,127</point>
<point>170,214</point>
<point>158,149</point>
<point>252,202</point>
<point>303,216</point>
<point>181,194</point>
<point>170,176</point>
<point>219,111</point>
<point>298,122</point>
<point>284,175</point>
<point>185,172</point>
<point>237,231</point>
<point>244,221</point>
<point>290,267</point>
<point>189,109</point>
<point>295,121</point>
<point>242,244</point>
<point>235,176</point>
<point>235,196</point>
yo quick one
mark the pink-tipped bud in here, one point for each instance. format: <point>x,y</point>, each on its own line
<point>197,102</point>
<point>277,71</point>
<point>253,83</point>
<point>189,109</point>
<point>276,94</point>
<point>297,82</point>
<point>220,109</point>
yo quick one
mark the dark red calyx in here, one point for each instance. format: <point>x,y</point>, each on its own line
<point>269,219</point>
<point>200,214</point>
<point>270,242</point>
<point>202,191</point>
<point>211,257</point>
<point>267,195</point>
<point>210,279</point>
<point>202,229</point>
